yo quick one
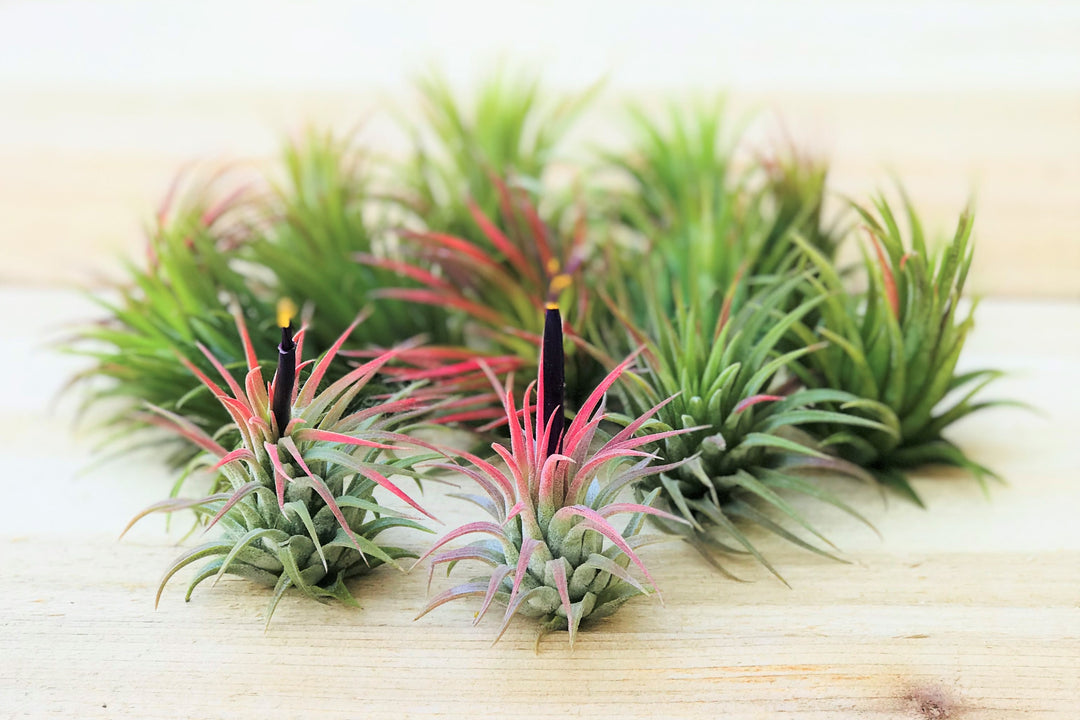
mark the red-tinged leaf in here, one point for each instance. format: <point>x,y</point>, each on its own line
<point>312,384</point>
<point>172,505</point>
<point>458,591</point>
<point>256,391</point>
<point>618,508</point>
<point>493,472</point>
<point>237,454</point>
<point>280,477</point>
<point>493,587</point>
<point>628,431</point>
<point>518,508</point>
<point>324,492</point>
<point>558,574</point>
<point>486,484</point>
<point>455,245</point>
<point>523,490</point>
<point>597,394</point>
<point>243,491</point>
<point>546,492</point>
<point>540,235</point>
<point>469,416</point>
<point>240,412</point>
<point>432,297</point>
<point>245,339</point>
<point>405,269</point>
<point>385,483</point>
<point>309,434</point>
<point>186,428</point>
<point>203,378</point>
<point>213,213</point>
<point>502,243</point>
<point>754,400</point>
<point>887,276</point>
<point>651,438</point>
<point>482,526</point>
<point>594,521</point>
<point>528,547</point>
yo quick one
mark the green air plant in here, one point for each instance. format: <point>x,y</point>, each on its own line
<point>896,345</point>
<point>746,452</point>
<point>511,129</point>
<point>313,223</point>
<point>703,219</point>
<point>497,279</point>
<point>298,509</point>
<point>552,552</point>
<point>167,309</point>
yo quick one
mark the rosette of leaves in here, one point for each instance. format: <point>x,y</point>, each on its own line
<point>702,216</point>
<point>551,551</point>
<point>312,223</point>
<point>165,309</point>
<point>511,128</point>
<point>497,279</point>
<point>746,454</point>
<point>896,345</point>
<point>296,504</point>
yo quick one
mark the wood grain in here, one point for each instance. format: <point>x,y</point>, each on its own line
<point>970,609</point>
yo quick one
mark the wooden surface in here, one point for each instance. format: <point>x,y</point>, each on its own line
<point>969,610</point>
<point>101,103</point>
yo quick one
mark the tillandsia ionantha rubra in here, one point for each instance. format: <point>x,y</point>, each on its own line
<point>498,279</point>
<point>896,346</point>
<point>732,433</point>
<point>553,553</point>
<point>165,308</point>
<point>299,508</point>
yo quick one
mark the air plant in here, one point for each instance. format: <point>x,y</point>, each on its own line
<point>552,552</point>
<point>497,280</point>
<point>298,509</point>
<point>732,434</point>
<point>512,128</point>
<point>703,218</point>
<point>312,224</point>
<point>896,345</point>
<point>164,309</point>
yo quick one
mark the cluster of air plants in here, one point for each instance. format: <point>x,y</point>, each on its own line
<point>756,364</point>
<point>296,499</point>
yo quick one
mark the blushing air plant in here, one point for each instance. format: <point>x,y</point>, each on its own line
<point>896,345</point>
<point>733,433</point>
<point>497,279</point>
<point>298,508</point>
<point>163,310</point>
<point>511,129</point>
<point>552,552</point>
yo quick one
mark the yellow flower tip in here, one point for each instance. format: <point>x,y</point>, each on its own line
<point>559,283</point>
<point>552,266</point>
<point>552,306</point>
<point>286,311</point>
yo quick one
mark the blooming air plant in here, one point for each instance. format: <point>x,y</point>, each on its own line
<point>551,550</point>
<point>298,509</point>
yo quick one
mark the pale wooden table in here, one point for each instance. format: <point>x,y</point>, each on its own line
<point>969,610</point>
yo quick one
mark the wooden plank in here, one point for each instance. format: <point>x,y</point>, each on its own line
<point>967,610</point>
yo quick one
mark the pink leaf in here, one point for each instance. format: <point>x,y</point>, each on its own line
<point>312,384</point>
<point>238,454</point>
<point>754,400</point>
<point>474,527</point>
<point>241,492</point>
